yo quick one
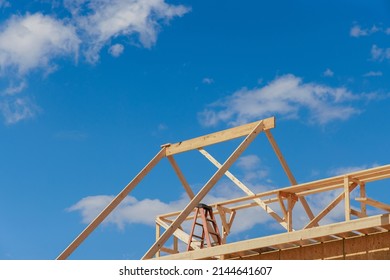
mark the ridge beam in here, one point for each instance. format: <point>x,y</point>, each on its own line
<point>218,137</point>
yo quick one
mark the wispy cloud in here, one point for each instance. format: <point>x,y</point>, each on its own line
<point>17,109</point>
<point>287,96</point>
<point>373,74</point>
<point>357,31</point>
<point>380,54</point>
<point>328,73</point>
<point>207,81</point>
<point>116,50</point>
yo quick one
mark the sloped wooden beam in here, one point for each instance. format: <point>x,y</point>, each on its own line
<point>182,179</point>
<point>329,207</point>
<point>180,234</point>
<point>205,189</point>
<point>111,206</point>
<point>288,172</point>
<point>217,137</point>
<point>244,188</point>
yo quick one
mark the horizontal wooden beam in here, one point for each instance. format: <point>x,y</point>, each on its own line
<point>374,203</point>
<point>283,238</point>
<point>217,137</point>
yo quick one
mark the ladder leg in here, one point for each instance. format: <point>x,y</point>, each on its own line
<point>192,229</point>
<point>203,214</point>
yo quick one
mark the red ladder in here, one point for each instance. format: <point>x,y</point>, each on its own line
<point>208,226</point>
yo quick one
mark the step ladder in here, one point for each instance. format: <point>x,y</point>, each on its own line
<point>207,227</point>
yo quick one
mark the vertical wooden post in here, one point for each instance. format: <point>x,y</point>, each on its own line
<point>347,197</point>
<point>158,229</point>
<point>363,206</point>
<point>290,206</point>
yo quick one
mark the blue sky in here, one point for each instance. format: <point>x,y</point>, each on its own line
<point>89,90</point>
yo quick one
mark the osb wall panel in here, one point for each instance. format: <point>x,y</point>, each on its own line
<point>369,247</point>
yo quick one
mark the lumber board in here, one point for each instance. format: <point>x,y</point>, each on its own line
<point>218,137</point>
<point>374,203</point>
<point>181,177</point>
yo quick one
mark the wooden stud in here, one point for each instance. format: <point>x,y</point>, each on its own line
<point>347,198</point>
<point>206,188</point>
<point>158,232</point>
<point>363,207</point>
<point>290,206</point>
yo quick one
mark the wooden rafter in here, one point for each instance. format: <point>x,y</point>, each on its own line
<point>111,206</point>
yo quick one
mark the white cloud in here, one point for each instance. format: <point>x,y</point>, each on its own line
<point>116,50</point>
<point>373,74</point>
<point>14,89</point>
<point>207,81</point>
<point>129,211</point>
<point>287,96</point>
<point>379,54</point>
<point>17,109</point>
<point>33,41</point>
<point>357,31</point>
<point>100,21</point>
<point>248,162</point>
<point>328,73</point>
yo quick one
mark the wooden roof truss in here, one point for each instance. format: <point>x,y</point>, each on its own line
<point>170,225</point>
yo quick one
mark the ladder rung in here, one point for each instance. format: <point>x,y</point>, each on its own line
<point>197,236</point>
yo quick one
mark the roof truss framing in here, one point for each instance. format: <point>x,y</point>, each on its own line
<point>285,198</point>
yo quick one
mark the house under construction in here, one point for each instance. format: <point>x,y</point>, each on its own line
<point>363,233</point>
